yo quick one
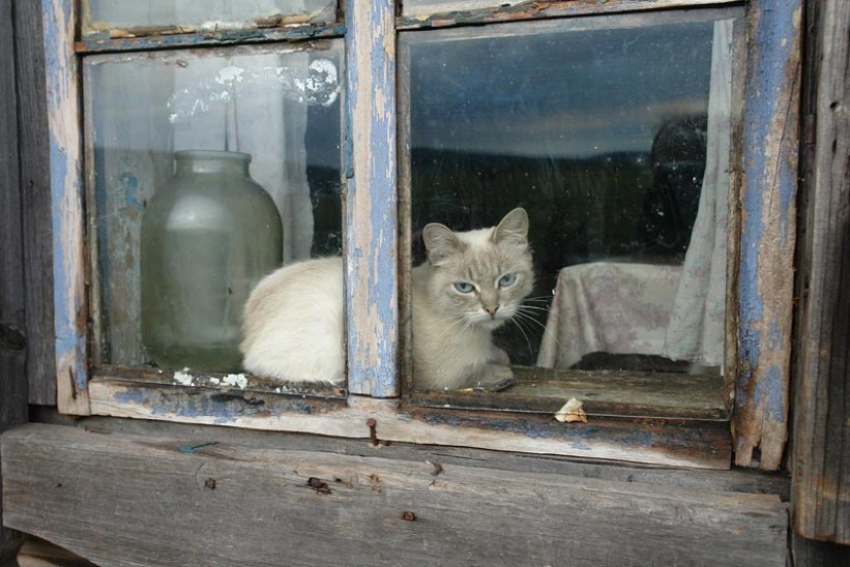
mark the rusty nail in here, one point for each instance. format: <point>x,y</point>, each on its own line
<point>210,483</point>
<point>373,431</point>
<point>408,516</point>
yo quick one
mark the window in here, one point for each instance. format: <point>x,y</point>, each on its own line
<point>614,133</point>
<point>618,129</point>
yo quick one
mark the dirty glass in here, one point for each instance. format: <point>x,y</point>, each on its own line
<point>613,133</point>
<point>275,109</point>
<point>120,18</point>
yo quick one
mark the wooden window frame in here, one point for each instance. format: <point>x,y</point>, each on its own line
<point>763,244</point>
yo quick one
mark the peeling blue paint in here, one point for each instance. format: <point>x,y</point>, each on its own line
<point>372,264</point>
<point>770,145</point>
<point>770,395</point>
<point>206,403</point>
<point>67,293</point>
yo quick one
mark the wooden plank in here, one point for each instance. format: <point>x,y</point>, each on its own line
<point>370,194</point>
<point>811,553</point>
<point>144,43</point>
<point>13,337</point>
<point>821,452</point>
<point>63,107</point>
<point>603,393</point>
<point>33,139</point>
<point>768,231</point>
<point>655,442</point>
<point>450,13</point>
<point>123,500</point>
<point>730,480</point>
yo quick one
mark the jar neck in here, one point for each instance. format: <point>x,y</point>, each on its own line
<point>209,161</point>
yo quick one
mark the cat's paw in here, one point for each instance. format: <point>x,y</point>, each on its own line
<point>495,378</point>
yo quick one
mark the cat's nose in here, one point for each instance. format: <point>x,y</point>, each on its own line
<point>491,309</point>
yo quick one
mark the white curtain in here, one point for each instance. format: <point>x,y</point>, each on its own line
<point>697,323</point>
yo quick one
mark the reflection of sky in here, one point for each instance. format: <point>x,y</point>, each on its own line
<point>578,93</point>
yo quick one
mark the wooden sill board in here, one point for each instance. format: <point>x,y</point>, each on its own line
<point>120,499</point>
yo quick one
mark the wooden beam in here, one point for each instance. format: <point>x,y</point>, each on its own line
<point>34,143</point>
<point>69,297</point>
<point>13,336</point>
<point>439,14</point>
<point>123,499</point>
<point>821,455</point>
<point>768,231</point>
<point>370,197</point>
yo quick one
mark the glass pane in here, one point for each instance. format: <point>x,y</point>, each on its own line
<point>213,166</point>
<point>144,17</point>
<point>613,134</point>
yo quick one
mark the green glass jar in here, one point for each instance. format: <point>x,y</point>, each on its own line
<point>208,236</point>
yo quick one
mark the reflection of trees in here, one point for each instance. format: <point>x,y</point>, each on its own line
<point>672,199</point>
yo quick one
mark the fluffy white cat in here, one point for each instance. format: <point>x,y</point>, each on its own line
<point>472,283</point>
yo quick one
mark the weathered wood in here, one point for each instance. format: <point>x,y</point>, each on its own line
<point>811,553</point>
<point>159,41</point>
<point>821,455</point>
<point>449,13</point>
<point>95,495</point>
<point>370,195</point>
<point>63,107</point>
<point>768,231</point>
<point>39,553</point>
<point>13,337</point>
<point>605,393</point>
<point>34,143</point>
<point>735,480</point>
<point>668,443</point>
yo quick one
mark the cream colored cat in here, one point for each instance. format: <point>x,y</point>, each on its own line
<point>472,283</point>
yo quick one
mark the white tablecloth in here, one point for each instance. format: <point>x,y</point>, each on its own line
<point>619,308</point>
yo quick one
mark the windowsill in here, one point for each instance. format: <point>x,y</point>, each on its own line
<point>324,410</point>
<point>603,394</point>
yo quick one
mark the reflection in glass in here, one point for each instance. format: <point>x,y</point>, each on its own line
<point>280,105</point>
<point>615,138</point>
<point>146,16</point>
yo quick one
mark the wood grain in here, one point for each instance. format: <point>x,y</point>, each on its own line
<point>34,144</point>
<point>656,442</point>
<point>453,12</point>
<point>123,500</point>
<point>63,116</point>
<point>821,456</point>
<point>768,231</point>
<point>13,330</point>
<point>370,199</point>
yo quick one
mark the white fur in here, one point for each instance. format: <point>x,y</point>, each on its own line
<point>294,322</point>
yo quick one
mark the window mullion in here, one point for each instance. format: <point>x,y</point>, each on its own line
<point>370,210</point>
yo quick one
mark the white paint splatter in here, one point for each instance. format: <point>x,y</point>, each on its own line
<point>238,380</point>
<point>317,84</point>
<point>183,377</point>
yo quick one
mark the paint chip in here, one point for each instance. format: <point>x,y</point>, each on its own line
<point>183,377</point>
<point>571,412</point>
<point>238,380</point>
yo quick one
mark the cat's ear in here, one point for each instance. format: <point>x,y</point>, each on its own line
<point>440,242</point>
<point>513,228</point>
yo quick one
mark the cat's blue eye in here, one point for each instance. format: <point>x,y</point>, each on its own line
<point>464,287</point>
<point>506,280</point>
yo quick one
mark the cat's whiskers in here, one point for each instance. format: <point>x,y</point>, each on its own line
<point>529,318</point>
<point>516,320</point>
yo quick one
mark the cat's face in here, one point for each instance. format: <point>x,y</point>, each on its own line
<point>480,277</point>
